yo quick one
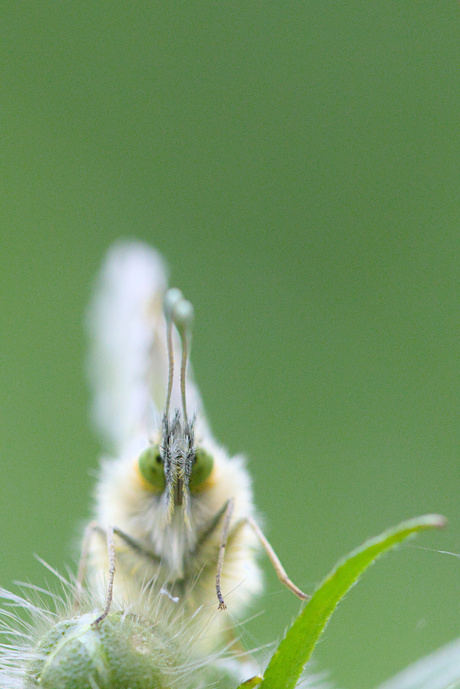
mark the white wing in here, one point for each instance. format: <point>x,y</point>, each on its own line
<point>128,365</point>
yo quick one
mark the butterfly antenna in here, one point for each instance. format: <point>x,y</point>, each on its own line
<point>183,318</point>
<point>172,297</point>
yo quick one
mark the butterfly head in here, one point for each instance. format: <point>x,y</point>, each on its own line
<point>176,467</point>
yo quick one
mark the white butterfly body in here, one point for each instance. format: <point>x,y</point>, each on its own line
<point>185,570</point>
<point>169,545</point>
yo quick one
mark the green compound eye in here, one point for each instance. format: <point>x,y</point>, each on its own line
<point>152,468</point>
<point>201,469</point>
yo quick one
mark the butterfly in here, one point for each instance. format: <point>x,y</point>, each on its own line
<point>173,513</point>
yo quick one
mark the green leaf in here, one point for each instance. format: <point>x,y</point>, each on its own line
<point>251,683</point>
<point>295,649</point>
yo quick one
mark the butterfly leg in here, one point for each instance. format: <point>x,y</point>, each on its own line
<point>83,566</point>
<point>225,514</point>
<point>272,556</point>
<point>83,563</point>
<point>228,536</point>
<point>223,543</point>
<point>109,592</point>
<point>94,527</point>
<point>136,546</point>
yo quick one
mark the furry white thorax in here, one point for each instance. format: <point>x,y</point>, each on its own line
<point>124,502</point>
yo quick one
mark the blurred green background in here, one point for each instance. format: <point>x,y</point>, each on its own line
<point>298,166</point>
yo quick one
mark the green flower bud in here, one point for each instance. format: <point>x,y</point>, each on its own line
<point>121,652</point>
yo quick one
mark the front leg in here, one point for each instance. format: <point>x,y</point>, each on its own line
<point>94,527</point>
<point>223,544</point>
<point>111,577</point>
<point>91,529</point>
<point>225,514</point>
<point>228,535</point>
<point>273,557</point>
<point>83,566</point>
<point>137,547</point>
<point>108,533</point>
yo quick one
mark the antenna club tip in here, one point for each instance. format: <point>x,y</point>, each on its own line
<point>172,297</point>
<point>183,313</point>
